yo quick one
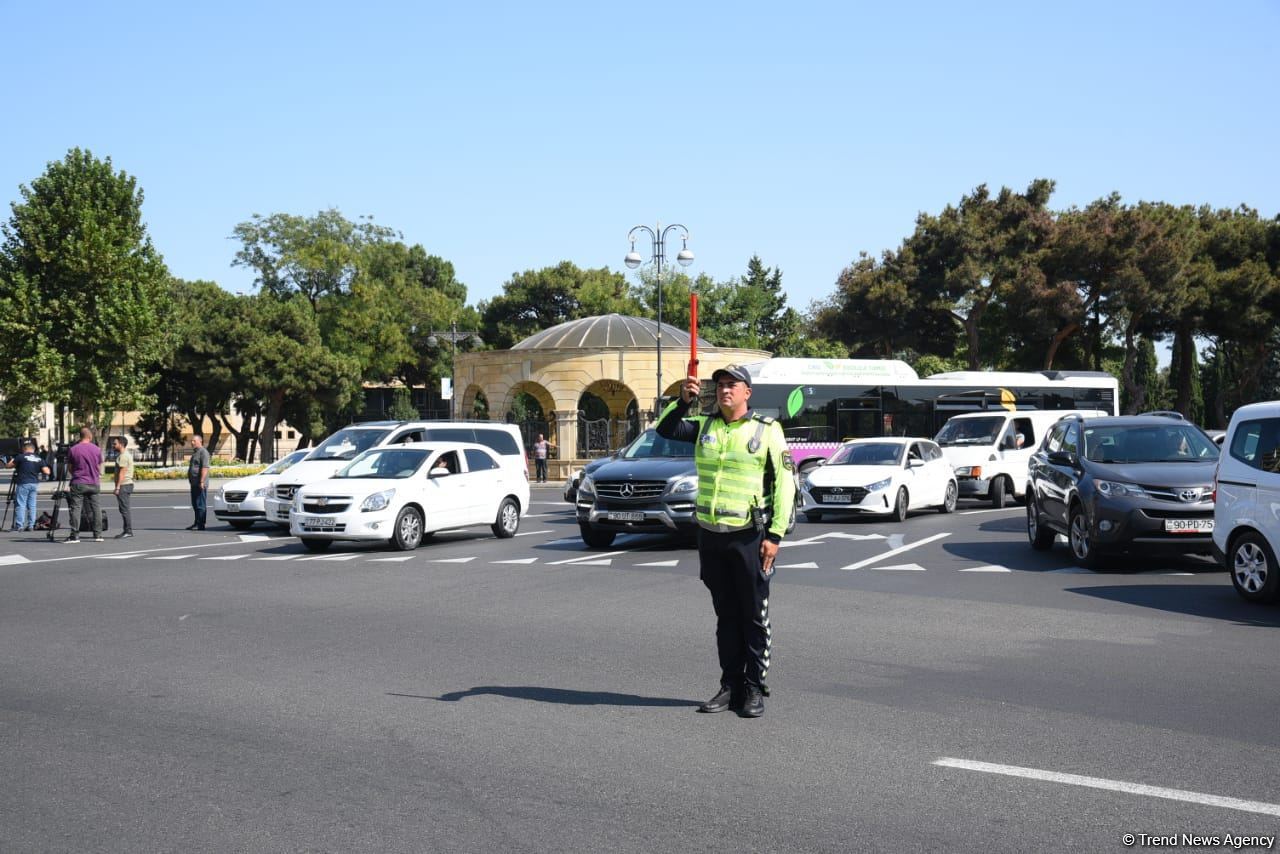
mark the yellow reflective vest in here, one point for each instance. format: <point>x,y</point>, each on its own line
<point>743,466</point>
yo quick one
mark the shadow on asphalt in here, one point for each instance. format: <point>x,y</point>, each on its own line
<point>1020,557</point>
<point>560,696</point>
<point>1215,601</point>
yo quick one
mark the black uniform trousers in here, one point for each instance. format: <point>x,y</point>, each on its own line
<point>730,568</point>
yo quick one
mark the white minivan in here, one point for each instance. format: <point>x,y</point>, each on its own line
<point>989,450</point>
<point>349,442</point>
<point>1246,513</point>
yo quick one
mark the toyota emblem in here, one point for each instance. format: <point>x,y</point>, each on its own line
<point>1189,495</point>
<point>627,490</point>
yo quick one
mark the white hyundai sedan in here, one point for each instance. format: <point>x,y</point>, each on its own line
<point>242,502</point>
<point>402,494</point>
<point>888,476</point>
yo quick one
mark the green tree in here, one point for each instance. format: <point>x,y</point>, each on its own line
<point>539,299</point>
<point>84,298</point>
<point>402,408</point>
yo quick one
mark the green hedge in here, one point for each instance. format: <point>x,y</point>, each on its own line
<point>180,472</point>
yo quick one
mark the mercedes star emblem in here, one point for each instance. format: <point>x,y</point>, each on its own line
<point>627,490</point>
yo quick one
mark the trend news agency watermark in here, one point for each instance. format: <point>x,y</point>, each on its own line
<point>1234,841</point>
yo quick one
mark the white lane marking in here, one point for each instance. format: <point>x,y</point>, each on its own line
<point>991,567</point>
<point>661,563</point>
<point>531,533</point>
<point>224,557</point>
<point>6,560</point>
<point>90,553</point>
<point>125,556</point>
<point>901,567</point>
<point>275,557</point>
<point>1113,786</point>
<point>581,558</point>
<point>331,558</point>
<point>860,564</point>
<point>253,538</point>
<point>525,561</point>
<point>606,562</point>
<point>1018,509</point>
<point>391,559</point>
<point>839,535</point>
<point>170,557</point>
<point>451,560</point>
<point>809,565</point>
<point>563,541</point>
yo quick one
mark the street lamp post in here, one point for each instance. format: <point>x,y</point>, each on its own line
<point>657,245</point>
<point>454,336</point>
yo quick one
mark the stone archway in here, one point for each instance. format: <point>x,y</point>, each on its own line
<point>473,401</point>
<point>609,417</point>
<point>530,406</point>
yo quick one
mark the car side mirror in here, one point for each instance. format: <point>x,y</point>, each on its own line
<point>1063,458</point>
<point>434,473</point>
<point>915,464</point>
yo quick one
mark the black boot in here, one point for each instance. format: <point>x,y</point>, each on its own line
<point>726,699</point>
<point>752,703</point>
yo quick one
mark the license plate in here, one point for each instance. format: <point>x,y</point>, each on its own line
<point>233,508</point>
<point>1188,526</point>
<point>316,522</point>
<point>838,499</point>
<point>625,517</point>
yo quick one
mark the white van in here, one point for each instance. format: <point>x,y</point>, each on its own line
<point>348,443</point>
<point>1246,513</point>
<point>989,450</point>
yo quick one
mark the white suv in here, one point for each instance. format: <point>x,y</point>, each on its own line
<point>348,443</point>
<point>1246,530</point>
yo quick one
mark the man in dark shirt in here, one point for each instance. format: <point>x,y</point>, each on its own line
<point>198,479</point>
<point>85,462</point>
<point>28,467</point>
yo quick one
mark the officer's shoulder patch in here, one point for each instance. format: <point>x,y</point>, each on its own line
<point>787,462</point>
<point>767,419</point>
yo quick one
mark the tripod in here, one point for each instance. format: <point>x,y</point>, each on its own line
<point>59,495</point>
<point>8,501</point>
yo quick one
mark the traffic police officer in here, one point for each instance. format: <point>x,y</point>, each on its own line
<point>746,493</point>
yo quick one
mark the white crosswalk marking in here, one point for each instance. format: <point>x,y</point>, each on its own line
<point>902,567</point>
<point>606,562</point>
<point>253,538</point>
<point>170,557</point>
<point>275,557</point>
<point>988,568</point>
<point>124,556</point>
<point>661,563</point>
<point>523,560</point>
<point>224,557</point>
<point>586,557</point>
<point>391,559</point>
<point>330,558</point>
<point>531,533</point>
<point>886,555</point>
<point>809,565</point>
<point>8,560</point>
<point>452,560</point>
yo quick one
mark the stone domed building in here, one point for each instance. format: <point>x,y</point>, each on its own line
<point>592,383</point>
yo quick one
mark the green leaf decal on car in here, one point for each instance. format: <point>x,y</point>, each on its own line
<point>795,402</point>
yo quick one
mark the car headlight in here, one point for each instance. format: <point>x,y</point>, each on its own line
<point>880,484</point>
<point>805,483</point>
<point>261,492</point>
<point>688,483</point>
<point>587,487</point>
<point>969,471</point>
<point>297,500</point>
<point>1114,489</point>
<point>377,501</point>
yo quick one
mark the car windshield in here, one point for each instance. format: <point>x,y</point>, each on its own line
<point>970,431</point>
<point>1157,443</point>
<point>390,463</point>
<point>346,444</point>
<point>867,454</point>
<point>285,462</point>
<point>650,444</point>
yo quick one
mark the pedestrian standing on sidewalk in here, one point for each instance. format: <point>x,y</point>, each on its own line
<point>28,469</point>
<point>85,462</point>
<point>124,485</point>
<point>198,479</point>
<point>541,450</point>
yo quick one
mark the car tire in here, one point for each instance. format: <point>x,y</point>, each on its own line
<point>1040,537</point>
<point>900,504</point>
<point>596,539</point>
<point>997,492</point>
<point>240,524</point>
<point>1080,538</point>
<point>313,544</point>
<point>407,532</point>
<point>508,521</point>
<point>813,515</point>
<point>948,504</point>
<point>1253,569</point>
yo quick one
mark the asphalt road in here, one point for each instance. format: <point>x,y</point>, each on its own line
<point>213,692</point>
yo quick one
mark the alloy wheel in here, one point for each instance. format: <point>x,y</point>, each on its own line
<point>1250,567</point>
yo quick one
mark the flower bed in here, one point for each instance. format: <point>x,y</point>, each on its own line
<point>180,472</point>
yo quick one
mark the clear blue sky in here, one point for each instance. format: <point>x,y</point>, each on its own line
<point>505,137</point>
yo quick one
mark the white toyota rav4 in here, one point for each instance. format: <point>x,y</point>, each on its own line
<point>401,494</point>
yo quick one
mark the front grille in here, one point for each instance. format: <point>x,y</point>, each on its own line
<point>820,493</point>
<point>1171,493</point>
<point>1178,514</point>
<point>334,528</point>
<point>641,490</point>
<point>310,507</point>
<point>235,497</point>
<point>285,493</point>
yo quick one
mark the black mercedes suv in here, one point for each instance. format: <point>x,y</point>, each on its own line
<point>1139,483</point>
